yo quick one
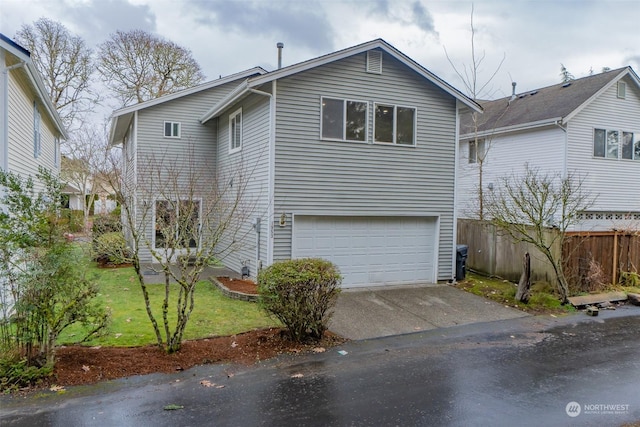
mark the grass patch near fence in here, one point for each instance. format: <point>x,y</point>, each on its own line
<point>543,299</point>
<point>213,314</point>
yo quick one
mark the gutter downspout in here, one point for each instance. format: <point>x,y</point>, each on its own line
<point>4,103</point>
<point>565,164</point>
<point>270,172</point>
<point>455,195</point>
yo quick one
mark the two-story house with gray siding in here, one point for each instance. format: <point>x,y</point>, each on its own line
<point>589,127</point>
<point>350,157</point>
<point>30,127</point>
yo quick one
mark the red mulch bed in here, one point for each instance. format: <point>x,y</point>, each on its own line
<point>239,285</point>
<point>84,365</point>
<point>77,365</point>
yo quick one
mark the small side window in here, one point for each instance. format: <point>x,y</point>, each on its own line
<point>172,129</point>
<point>235,131</point>
<point>476,151</point>
<point>622,90</point>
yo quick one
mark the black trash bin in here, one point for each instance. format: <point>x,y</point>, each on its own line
<point>461,261</point>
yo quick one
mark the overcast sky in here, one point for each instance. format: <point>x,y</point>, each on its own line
<point>227,36</point>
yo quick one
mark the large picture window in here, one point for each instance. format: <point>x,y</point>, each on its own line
<point>395,124</point>
<point>235,131</point>
<point>344,120</point>
<point>177,223</point>
<point>614,144</point>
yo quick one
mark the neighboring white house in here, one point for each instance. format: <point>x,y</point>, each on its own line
<point>351,156</point>
<point>30,127</point>
<point>588,126</point>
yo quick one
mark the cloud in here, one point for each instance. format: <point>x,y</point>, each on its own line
<point>304,23</point>
<point>97,19</point>
<point>422,18</point>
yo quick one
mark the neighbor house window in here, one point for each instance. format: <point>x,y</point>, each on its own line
<point>235,131</point>
<point>476,150</point>
<point>344,119</point>
<point>177,223</point>
<point>172,129</point>
<point>37,143</point>
<point>395,124</point>
<point>614,144</point>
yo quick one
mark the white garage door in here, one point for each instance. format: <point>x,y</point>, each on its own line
<point>370,250</point>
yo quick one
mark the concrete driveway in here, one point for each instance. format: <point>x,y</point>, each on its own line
<point>373,312</point>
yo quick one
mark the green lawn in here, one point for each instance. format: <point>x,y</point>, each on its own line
<point>213,314</point>
<point>543,299</point>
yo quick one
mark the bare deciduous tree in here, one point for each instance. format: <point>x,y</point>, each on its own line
<point>187,219</point>
<point>66,65</point>
<point>475,89</point>
<point>85,166</point>
<point>538,208</point>
<point>138,66</point>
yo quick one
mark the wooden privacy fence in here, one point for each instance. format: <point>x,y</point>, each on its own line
<point>591,259</point>
<point>494,253</point>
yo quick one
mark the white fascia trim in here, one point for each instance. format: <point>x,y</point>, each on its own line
<point>603,89</point>
<point>36,80</point>
<point>225,102</point>
<point>514,128</point>
<point>4,113</point>
<point>374,44</point>
<point>204,86</point>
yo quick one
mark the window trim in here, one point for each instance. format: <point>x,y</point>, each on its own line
<point>177,206</point>
<point>621,90</point>
<point>635,139</point>
<point>480,147</point>
<point>232,119</point>
<point>344,120</point>
<point>395,124</point>
<point>172,136</point>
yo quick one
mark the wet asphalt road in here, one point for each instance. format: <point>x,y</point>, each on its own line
<point>519,372</point>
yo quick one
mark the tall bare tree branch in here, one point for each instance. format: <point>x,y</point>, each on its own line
<point>138,66</point>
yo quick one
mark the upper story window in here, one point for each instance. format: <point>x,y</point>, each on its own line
<point>344,120</point>
<point>235,131</point>
<point>37,137</point>
<point>395,124</point>
<point>476,150</point>
<point>615,144</point>
<point>172,129</point>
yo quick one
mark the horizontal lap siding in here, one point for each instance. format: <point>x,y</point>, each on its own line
<point>614,182</point>
<point>196,148</point>
<point>507,155</point>
<point>249,168</point>
<point>324,177</point>
<point>20,154</point>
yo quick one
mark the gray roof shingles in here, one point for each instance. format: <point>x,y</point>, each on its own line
<point>551,102</point>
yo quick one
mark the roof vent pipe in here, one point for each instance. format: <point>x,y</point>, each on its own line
<point>279,45</point>
<point>513,90</point>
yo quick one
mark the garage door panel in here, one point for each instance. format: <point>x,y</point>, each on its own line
<point>370,250</point>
